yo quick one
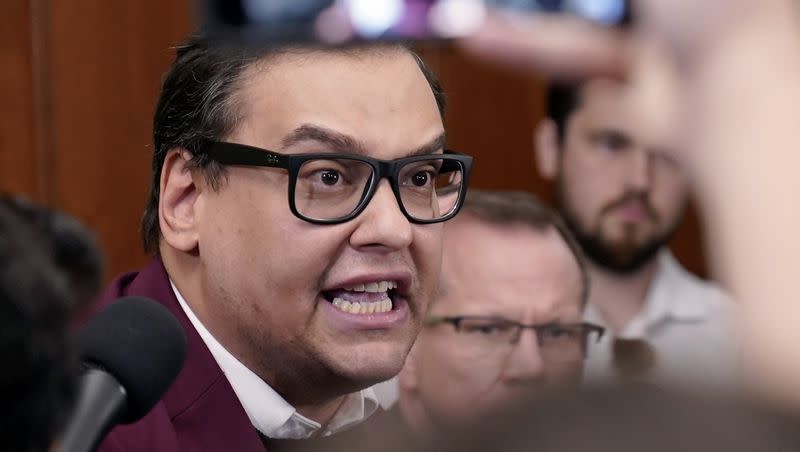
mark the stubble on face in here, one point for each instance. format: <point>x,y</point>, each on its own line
<point>634,247</point>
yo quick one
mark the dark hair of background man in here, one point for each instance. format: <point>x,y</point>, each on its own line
<point>562,100</point>
<point>508,208</point>
<point>198,102</point>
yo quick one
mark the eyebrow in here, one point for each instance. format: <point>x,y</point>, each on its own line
<point>559,319</point>
<point>616,133</point>
<point>310,132</point>
<point>432,146</point>
<point>345,143</point>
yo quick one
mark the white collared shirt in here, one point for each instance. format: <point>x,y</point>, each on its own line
<point>270,413</point>
<point>688,322</point>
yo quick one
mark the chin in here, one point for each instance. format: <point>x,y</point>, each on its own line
<point>370,363</point>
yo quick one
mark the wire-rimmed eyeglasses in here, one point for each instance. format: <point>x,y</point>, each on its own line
<point>557,341</point>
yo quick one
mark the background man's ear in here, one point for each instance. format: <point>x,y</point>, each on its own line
<point>546,149</point>
<point>177,207</point>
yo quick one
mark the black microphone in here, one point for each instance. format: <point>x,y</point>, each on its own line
<point>131,352</point>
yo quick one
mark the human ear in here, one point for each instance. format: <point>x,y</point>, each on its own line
<point>177,202</point>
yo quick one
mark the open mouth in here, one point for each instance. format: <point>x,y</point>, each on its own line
<point>369,298</point>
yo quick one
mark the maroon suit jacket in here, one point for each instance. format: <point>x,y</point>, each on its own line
<point>200,411</point>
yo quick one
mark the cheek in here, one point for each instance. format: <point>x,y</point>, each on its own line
<point>586,190</point>
<point>228,237</point>
<point>427,243</point>
<point>670,196</point>
<point>263,258</point>
<point>451,375</point>
<point>426,251</point>
<point>564,376</point>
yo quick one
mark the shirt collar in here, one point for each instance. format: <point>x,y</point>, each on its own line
<point>666,299</point>
<point>668,294</point>
<point>270,413</point>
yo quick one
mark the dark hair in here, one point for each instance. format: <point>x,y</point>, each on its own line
<point>73,248</point>
<point>37,384</point>
<point>562,99</point>
<point>198,102</point>
<point>504,208</point>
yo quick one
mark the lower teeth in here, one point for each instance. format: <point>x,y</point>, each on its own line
<point>375,307</point>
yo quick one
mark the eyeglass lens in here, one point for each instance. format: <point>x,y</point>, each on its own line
<point>328,189</point>
<point>484,337</point>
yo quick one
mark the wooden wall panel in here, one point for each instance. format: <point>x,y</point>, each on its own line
<point>19,161</point>
<point>491,114</point>
<point>107,62</point>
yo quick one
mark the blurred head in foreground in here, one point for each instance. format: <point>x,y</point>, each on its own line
<point>630,418</point>
<point>506,323</point>
<point>73,249</point>
<point>48,265</point>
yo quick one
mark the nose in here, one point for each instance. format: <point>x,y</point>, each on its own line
<point>382,224</point>
<point>525,362</point>
<point>639,175</point>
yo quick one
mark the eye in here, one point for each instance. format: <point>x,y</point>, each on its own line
<point>329,177</point>
<point>420,174</point>
<point>484,329</point>
<point>554,332</point>
<point>421,179</point>
<point>488,329</point>
<point>611,140</point>
<point>328,173</point>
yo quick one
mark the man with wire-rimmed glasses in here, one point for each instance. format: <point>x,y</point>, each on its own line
<point>507,323</point>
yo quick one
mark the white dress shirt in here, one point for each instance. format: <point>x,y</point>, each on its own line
<point>688,322</point>
<point>270,413</point>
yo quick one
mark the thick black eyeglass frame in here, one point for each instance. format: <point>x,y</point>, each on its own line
<point>242,154</point>
<point>537,328</point>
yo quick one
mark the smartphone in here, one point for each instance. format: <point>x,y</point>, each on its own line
<point>333,22</point>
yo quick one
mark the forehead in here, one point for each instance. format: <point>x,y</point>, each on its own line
<point>378,96</point>
<point>508,270</point>
<point>603,103</point>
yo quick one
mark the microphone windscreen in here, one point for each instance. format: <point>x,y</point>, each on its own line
<point>141,344</point>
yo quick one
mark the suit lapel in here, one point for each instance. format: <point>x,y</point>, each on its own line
<point>204,410</point>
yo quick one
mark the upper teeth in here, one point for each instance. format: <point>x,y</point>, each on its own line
<point>373,287</point>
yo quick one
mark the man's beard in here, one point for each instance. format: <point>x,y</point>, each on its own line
<point>623,257</point>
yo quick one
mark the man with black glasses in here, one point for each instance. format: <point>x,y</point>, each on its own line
<point>507,322</point>
<point>295,215</point>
